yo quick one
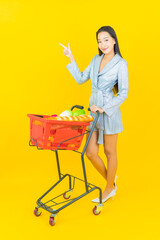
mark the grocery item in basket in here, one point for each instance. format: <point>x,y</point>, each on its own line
<point>79,112</point>
<point>67,113</point>
<point>82,118</point>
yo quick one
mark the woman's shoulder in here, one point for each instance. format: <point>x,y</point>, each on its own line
<point>123,65</point>
<point>123,61</point>
<point>95,56</point>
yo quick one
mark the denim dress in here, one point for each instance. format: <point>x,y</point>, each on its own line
<point>116,70</point>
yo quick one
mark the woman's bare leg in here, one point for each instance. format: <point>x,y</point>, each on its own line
<point>110,144</point>
<point>92,154</point>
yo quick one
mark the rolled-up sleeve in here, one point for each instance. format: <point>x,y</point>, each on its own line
<point>79,76</point>
<point>123,88</point>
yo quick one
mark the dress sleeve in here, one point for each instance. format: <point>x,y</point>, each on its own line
<point>122,94</point>
<point>80,77</point>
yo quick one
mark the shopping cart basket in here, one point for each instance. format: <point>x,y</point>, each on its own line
<point>56,135</point>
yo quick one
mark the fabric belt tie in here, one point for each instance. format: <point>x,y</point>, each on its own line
<point>100,122</point>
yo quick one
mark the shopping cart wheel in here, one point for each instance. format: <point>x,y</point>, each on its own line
<point>95,211</point>
<point>52,222</point>
<point>67,195</point>
<point>36,212</point>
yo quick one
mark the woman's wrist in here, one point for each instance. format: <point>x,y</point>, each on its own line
<point>101,110</point>
<point>72,58</point>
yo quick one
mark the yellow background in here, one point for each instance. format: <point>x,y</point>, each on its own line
<point>34,79</point>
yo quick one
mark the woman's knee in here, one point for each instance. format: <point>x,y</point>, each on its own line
<point>93,147</point>
<point>110,142</point>
<point>91,154</point>
<point>110,152</point>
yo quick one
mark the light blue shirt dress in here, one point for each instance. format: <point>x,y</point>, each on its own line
<point>116,70</point>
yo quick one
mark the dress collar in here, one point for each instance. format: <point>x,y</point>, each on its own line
<point>109,65</point>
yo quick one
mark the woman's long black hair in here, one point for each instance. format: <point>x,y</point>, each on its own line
<point>111,31</point>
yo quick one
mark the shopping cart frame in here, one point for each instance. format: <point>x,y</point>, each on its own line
<point>89,187</point>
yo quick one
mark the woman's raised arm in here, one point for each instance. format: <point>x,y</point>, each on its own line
<point>72,67</point>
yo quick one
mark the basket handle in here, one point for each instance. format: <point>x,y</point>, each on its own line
<point>81,107</point>
<point>77,106</point>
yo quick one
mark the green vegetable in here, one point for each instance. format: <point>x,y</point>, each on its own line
<point>78,112</point>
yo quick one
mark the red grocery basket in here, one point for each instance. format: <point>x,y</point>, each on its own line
<point>50,134</point>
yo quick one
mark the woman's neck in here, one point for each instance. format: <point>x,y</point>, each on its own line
<point>109,56</point>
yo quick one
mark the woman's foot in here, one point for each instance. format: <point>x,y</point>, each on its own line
<point>108,193</point>
<point>109,190</point>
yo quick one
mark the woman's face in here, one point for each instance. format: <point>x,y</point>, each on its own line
<point>106,42</point>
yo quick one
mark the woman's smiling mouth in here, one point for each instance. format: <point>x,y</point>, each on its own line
<point>104,49</point>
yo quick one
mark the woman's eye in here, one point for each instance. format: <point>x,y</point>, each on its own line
<point>105,40</point>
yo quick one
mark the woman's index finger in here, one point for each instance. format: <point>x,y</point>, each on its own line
<point>63,45</point>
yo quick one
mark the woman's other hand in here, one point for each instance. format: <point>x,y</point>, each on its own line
<point>94,108</point>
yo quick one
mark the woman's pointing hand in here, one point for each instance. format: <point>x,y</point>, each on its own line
<point>67,52</point>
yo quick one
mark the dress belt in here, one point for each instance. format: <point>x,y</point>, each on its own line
<point>100,122</point>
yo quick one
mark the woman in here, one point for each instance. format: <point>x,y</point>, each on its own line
<point>108,72</point>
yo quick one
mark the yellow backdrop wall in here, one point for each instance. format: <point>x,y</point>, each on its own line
<point>34,79</point>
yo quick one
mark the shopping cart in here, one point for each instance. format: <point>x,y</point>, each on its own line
<point>56,135</point>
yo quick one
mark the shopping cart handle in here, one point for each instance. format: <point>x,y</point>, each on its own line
<point>96,111</point>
